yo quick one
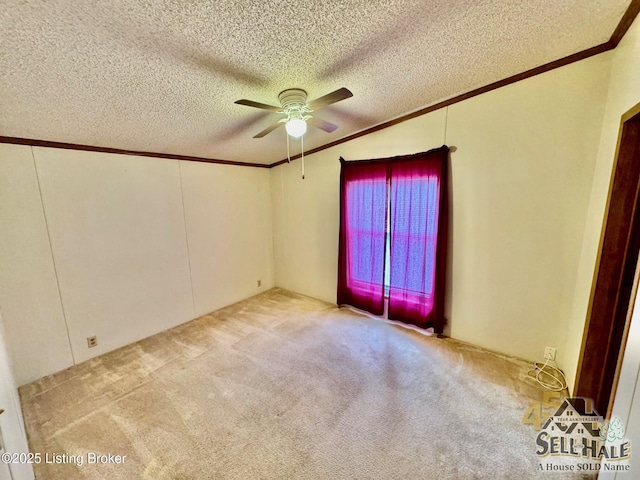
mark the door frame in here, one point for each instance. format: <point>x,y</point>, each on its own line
<point>607,321</point>
<point>11,422</point>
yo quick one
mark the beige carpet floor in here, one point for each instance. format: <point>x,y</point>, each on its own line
<point>281,386</point>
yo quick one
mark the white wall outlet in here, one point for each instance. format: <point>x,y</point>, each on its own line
<point>92,341</point>
<point>259,283</point>
<point>549,353</point>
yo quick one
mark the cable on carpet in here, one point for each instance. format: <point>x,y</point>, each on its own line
<point>548,376</point>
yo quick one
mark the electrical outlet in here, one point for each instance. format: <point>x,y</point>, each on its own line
<point>259,283</point>
<point>92,341</point>
<point>549,353</point>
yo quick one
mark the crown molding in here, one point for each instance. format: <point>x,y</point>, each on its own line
<point>90,148</point>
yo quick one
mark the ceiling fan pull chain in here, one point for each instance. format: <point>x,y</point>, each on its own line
<point>302,154</point>
<point>288,154</point>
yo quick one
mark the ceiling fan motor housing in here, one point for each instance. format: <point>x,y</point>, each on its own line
<point>293,99</point>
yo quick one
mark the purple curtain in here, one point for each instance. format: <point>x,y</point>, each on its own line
<point>418,239</point>
<point>363,214</point>
<point>418,233</point>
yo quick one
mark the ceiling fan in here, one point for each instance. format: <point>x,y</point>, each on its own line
<point>294,105</point>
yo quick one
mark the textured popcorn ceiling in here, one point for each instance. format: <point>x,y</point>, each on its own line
<point>162,76</point>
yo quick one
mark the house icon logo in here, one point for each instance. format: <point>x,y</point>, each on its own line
<point>576,431</point>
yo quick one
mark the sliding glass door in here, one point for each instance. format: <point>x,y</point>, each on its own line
<point>393,236</point>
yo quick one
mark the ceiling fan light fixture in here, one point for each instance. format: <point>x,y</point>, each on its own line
<point>296,111</point>
<point>296,127</point>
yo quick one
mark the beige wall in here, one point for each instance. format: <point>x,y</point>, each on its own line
<point>228,218</point>
<point>137,245</point>
<point>119,245</point>
<point>521,185</point>
<point>623,94</point>
<point>36,333</point>
<point>521,179</point>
